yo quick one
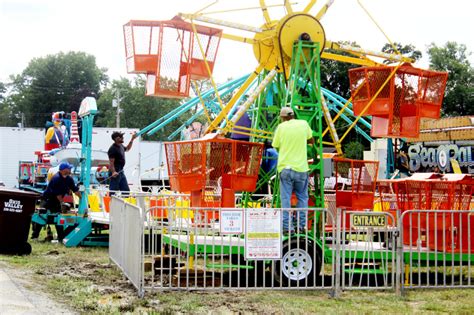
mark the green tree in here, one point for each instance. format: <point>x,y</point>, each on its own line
<point>3,89</point>
<point>55,83</point>
<point>335,74</point>
<point>5,108</point>
<point>354,150</point>
<point>459,94</point>
<point>137,109</point>
<point>406,50</point>
<point>335,77</point>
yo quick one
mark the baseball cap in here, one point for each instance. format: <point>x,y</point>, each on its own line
<point>65,165</point>
<point>116,134</point>
<point>286,111</point>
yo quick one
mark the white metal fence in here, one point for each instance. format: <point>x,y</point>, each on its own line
<point>125,240</point>
<point>172,246</point>
<point>194,250</point>
<point>437,247</point>
<point>367,249</point>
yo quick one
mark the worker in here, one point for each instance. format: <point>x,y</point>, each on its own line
<point>118,181</point>
<point>290,139</point>
<point>269,158</point>
<point>245,122</point>
<point>61,184</point>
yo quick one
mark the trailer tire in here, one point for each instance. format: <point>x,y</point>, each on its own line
<point>300,264</point>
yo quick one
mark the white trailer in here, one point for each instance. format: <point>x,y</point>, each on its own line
<point>153,166</point>
<point>17,144</point>
<point>145,162</point>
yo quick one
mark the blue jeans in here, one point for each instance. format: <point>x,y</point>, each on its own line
<point>118,183</point>
<point>292,181</point>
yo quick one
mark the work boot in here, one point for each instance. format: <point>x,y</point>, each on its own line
<point>35,230</point>
<point>49,235</point>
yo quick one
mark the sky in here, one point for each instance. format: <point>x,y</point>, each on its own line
<point>36,28</point>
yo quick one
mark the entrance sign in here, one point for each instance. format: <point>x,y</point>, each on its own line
<point>263,234</point>
<point>368,220</point>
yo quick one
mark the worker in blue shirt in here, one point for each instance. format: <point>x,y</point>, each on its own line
<point>61,184</point>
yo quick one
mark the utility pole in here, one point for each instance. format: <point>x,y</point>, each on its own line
<point>116,103</point>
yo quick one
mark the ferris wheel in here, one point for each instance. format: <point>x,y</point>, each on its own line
<point>177,53</point>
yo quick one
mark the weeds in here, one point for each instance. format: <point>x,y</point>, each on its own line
<point>83,279</point>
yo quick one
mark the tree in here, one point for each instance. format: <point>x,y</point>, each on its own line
<point>137,109</point>
<point>354,150</point>
<point>459,94</point>
<point>409,51</point>
<point>55,83</point>
<point>5,108</point>
<point>3,89</point>
<point>335,74</point>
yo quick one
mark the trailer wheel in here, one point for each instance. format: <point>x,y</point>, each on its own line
<point>300,264</point>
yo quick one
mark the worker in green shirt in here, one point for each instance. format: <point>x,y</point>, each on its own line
<point>291,139</point>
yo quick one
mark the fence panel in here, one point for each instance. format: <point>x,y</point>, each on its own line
<point>437,248</point>
<point>116,233</point>
<point>368,250</point>
<point>207,248</point>
<point>125,241</point>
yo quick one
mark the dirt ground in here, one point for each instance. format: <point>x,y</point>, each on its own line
<point>82,280</point>
<point>32,292</point>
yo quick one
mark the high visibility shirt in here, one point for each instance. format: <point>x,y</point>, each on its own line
<point>291,141</point>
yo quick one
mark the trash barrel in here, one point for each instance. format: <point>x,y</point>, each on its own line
<point>16,209</point>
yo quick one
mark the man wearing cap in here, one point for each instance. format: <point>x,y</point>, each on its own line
<point>116,153</point>
<point>290,139</point>
<point>60,185</point>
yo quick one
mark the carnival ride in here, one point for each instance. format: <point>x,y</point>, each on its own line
<point>62,144</point>
<point>176,53</point>
<point>84,225</point>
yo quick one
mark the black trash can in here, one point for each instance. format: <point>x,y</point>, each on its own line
<point>16,210</point>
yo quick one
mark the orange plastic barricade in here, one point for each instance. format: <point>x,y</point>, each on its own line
<point>106,203</point>
<point>438,231</point>
<point>408,95</point>
<point>158,206</point>
<point>428,229</point>
<point>168,53</point>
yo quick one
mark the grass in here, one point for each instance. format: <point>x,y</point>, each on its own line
<point>82,279</point>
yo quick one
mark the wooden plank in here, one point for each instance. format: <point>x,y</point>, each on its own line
<point>446,129</point>
<point>448,122</point>
<point>452,135</point>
